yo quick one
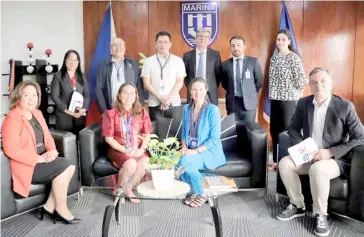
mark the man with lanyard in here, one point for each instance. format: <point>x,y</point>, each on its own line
<point>113,72</point>
<point>163,75</point>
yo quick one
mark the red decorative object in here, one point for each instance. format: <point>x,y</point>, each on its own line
<point>48,52</point>
<point>73,82</point>
<point>30,45</point>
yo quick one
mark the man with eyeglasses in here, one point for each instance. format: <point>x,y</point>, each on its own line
<point>113,72</point>
<point>203,62</point>
<point>163,75</point>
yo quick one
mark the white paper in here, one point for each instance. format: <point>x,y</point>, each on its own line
<point>300,152</point>
<point>76,102</point>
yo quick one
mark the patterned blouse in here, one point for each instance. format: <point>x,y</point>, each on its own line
<point>286,77</point>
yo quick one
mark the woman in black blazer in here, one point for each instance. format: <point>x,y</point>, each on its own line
<point>69,79</point>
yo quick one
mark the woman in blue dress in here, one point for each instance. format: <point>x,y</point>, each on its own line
<point>201,145</point>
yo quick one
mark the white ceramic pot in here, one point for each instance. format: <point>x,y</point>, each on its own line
<point>162,179</point>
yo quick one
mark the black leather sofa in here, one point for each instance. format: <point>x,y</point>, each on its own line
<point>12,203</point>
<point>346,195</point>
<point>245,148</point>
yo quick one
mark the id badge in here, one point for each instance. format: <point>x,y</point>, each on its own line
<point>192,143</point>
<point>247,74</point>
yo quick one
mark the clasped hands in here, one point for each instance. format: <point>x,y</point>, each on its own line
<point>165,102</point>
<point>48,156</point>
<point>186,151</point>
<point>321,154</point>
<point>134,153</point>
<point>75,114</point>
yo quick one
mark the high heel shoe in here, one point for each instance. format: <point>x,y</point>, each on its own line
<point>43,212</point>
<point>58,217</point>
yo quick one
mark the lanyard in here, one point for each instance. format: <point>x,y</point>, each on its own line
<point>164,65</point>
<point>117,69</point>
<point>127,125</point>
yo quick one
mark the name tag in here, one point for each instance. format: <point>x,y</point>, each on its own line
<point>247,74</point>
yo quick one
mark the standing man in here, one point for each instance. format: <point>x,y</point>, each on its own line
<point>242,79</point>
<point>203,62</point>
<point>114,72</point>
<point>163,75</point>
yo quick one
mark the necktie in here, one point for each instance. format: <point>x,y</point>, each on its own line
<point>238,79</point>
<point>201,66</point>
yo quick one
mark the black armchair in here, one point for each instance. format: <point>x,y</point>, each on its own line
<point>346,195</point>
<point>12,203</point>
<point>246,153</point>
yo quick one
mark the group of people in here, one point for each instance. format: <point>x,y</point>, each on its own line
<point>126,125</point>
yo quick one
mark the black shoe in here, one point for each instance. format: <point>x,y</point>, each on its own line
<point>58,217</point>
<point>321,225</point>
<point>291,212</point>
<point>43,212</point>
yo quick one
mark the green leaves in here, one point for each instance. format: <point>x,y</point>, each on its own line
<point>165,154</point>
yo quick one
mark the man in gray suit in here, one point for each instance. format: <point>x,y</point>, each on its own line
<point>113,72</point>
<point>242,79</point>
<point>333,124</point>
<point>203,62</point>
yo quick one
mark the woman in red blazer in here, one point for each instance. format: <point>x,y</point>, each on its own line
<point>32,152</point>
<point>127,129</point>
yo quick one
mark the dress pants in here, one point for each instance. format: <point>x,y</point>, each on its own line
<point>241,113</point>
<point>280,118</point>
<point>320,173</point>
<point>192,176</point>
<point>173,112</point>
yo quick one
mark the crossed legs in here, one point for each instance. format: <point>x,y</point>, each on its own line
<point>130,174</point>
<point>57,199</point>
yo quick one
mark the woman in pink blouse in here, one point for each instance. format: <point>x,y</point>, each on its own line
<point>127,129</point>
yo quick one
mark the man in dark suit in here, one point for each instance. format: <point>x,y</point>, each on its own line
<point>203,62</point>
<point>113,72</point>
<point>242,79</point>
<point>333,124</point>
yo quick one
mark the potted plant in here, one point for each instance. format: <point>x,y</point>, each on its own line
<point>164,155</point>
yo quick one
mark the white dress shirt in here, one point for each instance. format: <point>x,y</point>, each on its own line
<point>115,83</point>
<point>234,69</point>
<point>198,60</point>
<point>173,69</point>
<point>319,117</point>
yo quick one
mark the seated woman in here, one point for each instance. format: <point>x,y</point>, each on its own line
<point>201,145</point>
<point>32,152</point>
<point>127,129</point>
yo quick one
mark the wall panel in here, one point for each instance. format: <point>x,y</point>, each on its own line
<point>329,34</point>
<point>358,84</point>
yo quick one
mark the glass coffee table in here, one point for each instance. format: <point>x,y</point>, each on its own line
<point>145,191</point>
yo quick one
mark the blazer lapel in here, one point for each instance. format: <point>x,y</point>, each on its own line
<point>128,71</point>
<point>330,111</point>
<point>310,111</point>
<point>29,127</point>
<point>68,81</point>
<point>193,61</point>
<point>108,81</point>
<point>231,72</point>
<point>209,63</point>
<point>245,66</point>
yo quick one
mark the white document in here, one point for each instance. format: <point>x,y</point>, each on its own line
<point>76,102</point>
<point>300,152</point>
